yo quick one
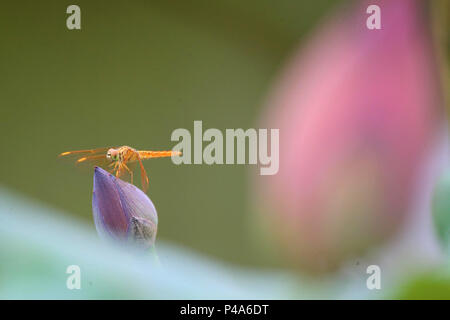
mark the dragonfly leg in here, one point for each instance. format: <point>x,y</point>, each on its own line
<point>129,171</point>
<point>115,169</point>
<point>111,170</point>
<point>144,178</point>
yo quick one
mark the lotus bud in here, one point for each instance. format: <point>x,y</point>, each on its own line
<point>358,111</point>
<point>122,212</point>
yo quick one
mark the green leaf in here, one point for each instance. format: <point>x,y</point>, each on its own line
<point>441,209</point>
<point>430,285</point>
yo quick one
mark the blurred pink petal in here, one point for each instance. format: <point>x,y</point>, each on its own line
<point>357,111</point>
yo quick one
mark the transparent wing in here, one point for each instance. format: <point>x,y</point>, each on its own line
<point>88,158</point>
<point>84,152</point>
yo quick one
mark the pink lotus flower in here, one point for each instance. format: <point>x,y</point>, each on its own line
<point>357,112</point>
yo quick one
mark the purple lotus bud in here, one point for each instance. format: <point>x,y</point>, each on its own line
<point>122,211</point>
<point>358,112</point>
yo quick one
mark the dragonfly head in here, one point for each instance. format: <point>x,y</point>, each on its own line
<point>112,154</point>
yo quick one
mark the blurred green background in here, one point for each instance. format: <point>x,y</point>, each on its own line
<point>135,72</point>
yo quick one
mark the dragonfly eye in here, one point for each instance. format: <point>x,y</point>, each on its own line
<point>112,154</point>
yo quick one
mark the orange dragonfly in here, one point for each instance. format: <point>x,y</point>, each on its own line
<point>119,160</point>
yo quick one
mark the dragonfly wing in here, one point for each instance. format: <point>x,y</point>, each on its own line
<point>99,160</point>
<point>87,158</point>
<point>84,152</point>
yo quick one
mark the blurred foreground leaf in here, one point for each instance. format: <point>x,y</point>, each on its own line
<point>37,244</point>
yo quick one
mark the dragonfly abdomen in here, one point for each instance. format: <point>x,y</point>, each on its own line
<point>157,154</point>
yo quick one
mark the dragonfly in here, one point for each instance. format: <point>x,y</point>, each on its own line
<point>119,160</point>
